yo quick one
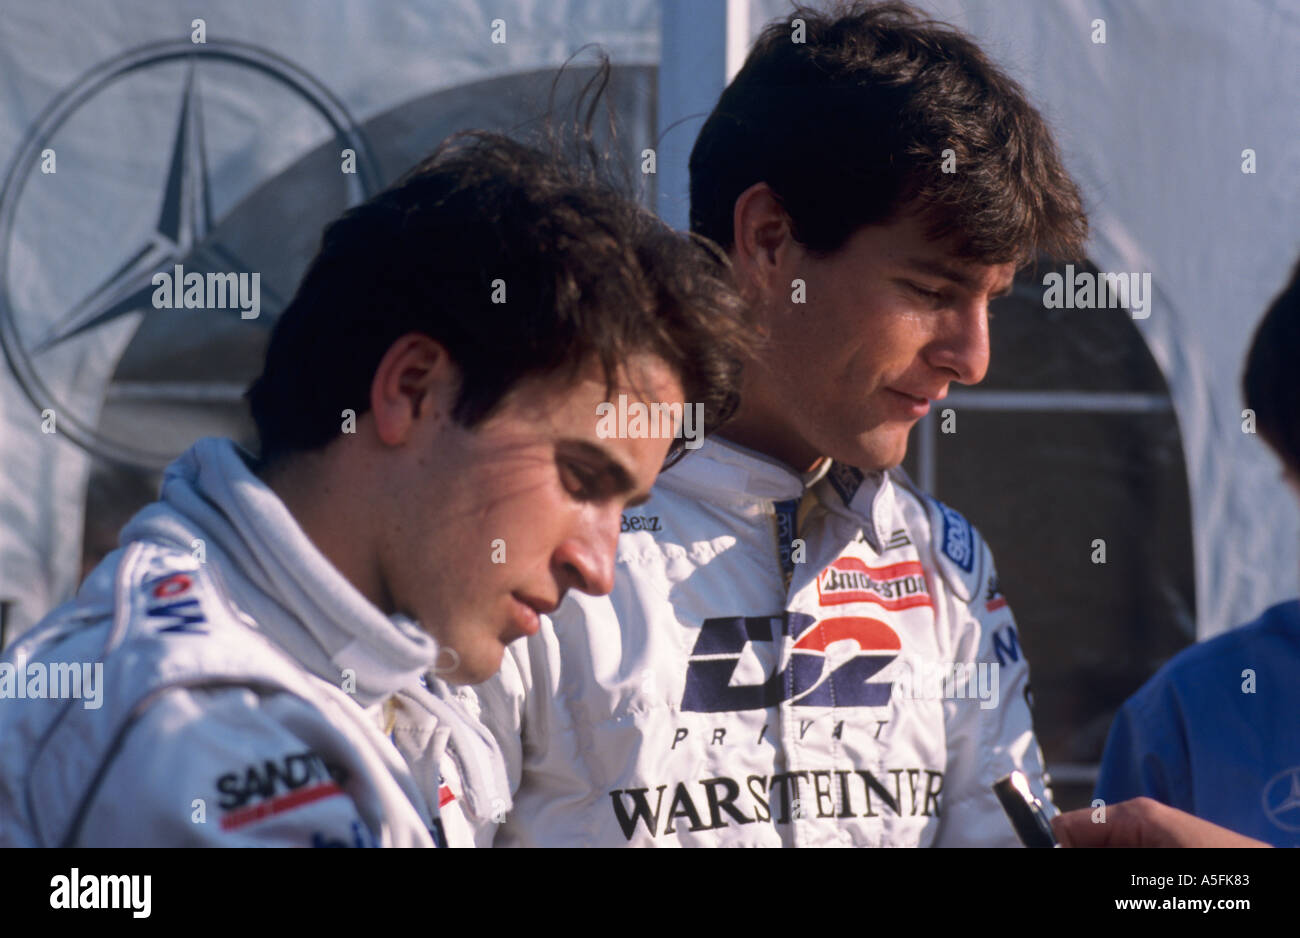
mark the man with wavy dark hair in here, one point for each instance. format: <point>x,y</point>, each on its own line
<point>801,647</point>
<point>432,478</point>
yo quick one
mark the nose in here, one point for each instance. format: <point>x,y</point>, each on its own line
<point>962,347</point>
<point>585,560</point>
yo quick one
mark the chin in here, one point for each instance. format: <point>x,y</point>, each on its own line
<point>896,457</point>
<point>478,667</point>
<point>874,453</point>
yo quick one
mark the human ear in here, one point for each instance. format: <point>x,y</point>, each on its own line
<point>416,378</point>
<point>763,240</point>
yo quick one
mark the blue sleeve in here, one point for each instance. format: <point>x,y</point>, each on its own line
<point>1146,751</point>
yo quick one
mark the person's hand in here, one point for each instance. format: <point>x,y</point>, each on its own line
<point>1143,822</point>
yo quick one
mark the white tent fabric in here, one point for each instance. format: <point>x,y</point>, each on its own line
<point>1153,124</point>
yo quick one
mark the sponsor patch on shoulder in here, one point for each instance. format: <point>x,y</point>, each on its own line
<point>171,606</point>
<point>958,539</point>
<point>274,786</point>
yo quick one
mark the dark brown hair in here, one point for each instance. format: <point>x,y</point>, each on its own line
<point>849,127</point>
<point>587,273</point>
<point>1269,381</point>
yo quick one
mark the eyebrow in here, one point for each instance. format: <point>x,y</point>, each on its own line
<point>939,269</point>
<point>617,472</point>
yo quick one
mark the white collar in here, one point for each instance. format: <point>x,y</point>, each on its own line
<point>279,577</point>
<point>721,471</point>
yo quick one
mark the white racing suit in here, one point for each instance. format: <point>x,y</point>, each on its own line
<point>872,701</point>
<point>234,689</point>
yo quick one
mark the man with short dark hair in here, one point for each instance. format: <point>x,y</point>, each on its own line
<point>801,647</point>
<point>432,479</point>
